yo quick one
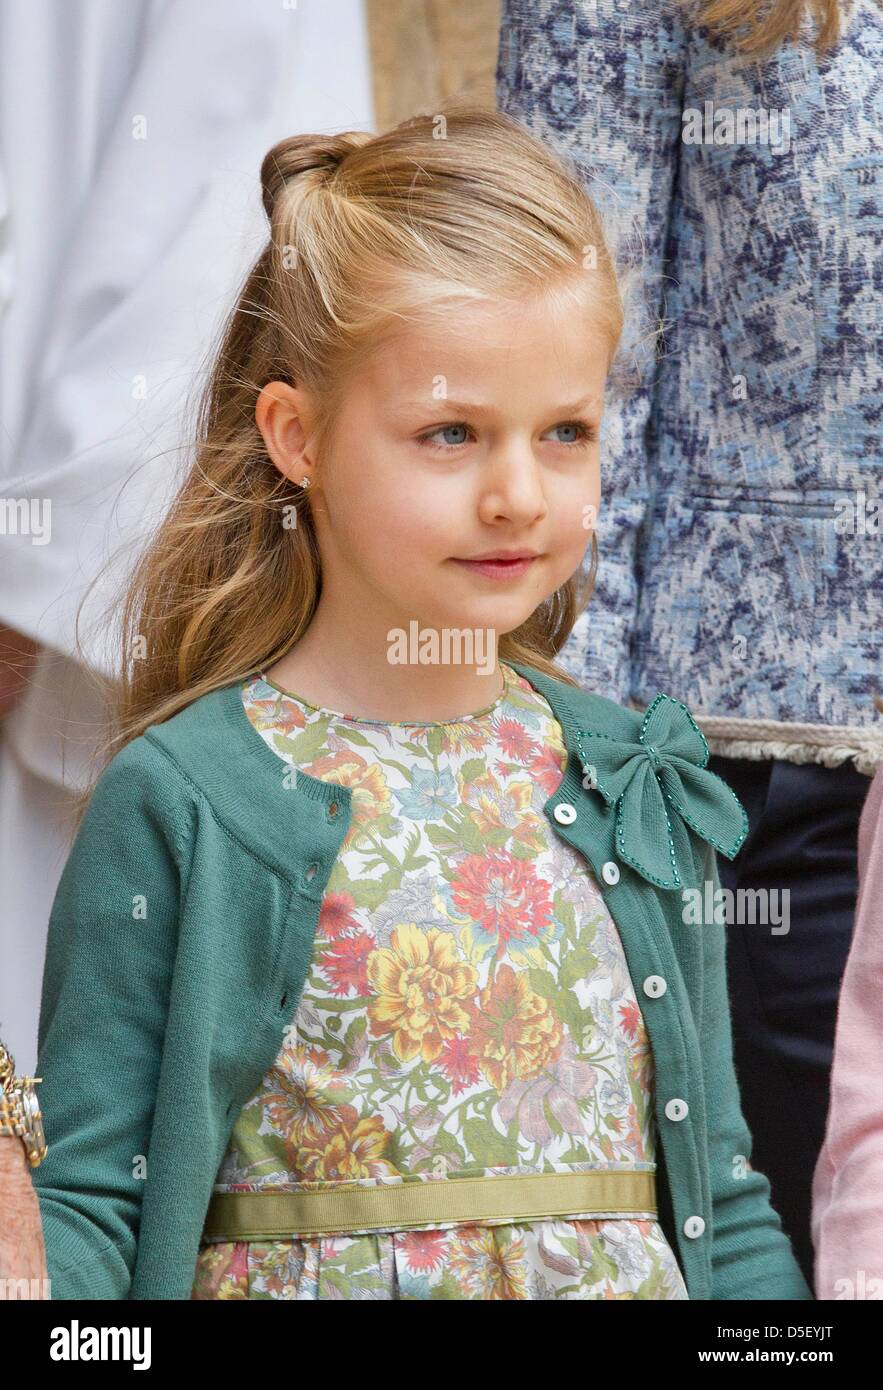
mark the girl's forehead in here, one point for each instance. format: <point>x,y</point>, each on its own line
<point>484,339</point>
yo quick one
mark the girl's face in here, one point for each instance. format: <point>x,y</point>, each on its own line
<point>473,436</point>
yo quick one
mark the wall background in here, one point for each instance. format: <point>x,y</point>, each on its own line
<point>424,52</point>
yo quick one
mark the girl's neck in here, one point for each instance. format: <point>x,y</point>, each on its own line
<point>384,690</point>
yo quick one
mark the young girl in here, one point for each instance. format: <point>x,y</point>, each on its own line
<point>383,965</point>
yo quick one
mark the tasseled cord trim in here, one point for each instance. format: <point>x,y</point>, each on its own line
<point>755,739</point>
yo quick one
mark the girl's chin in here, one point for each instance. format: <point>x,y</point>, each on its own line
<point>495,616</point>
<point>499,618</point>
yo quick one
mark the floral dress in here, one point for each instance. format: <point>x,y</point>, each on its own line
<point>468,1011</point>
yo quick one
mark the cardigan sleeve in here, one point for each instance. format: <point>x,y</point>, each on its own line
<point>602,84</point>
<point>106,978</point>
<point>751,1256</point>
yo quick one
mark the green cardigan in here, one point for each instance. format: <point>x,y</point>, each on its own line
<point>180,938</point>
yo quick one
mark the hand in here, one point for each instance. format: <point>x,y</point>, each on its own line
<point>18,655</point>
<point>22,1252</point>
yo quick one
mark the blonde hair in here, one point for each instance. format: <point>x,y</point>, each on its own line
<point>758,27</point>
<point>365,231</point>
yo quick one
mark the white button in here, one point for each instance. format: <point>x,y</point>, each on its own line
<point>677,1109</point>
<point>654,985</point>
<point>694,1226</point>
<point>565,814</point>
<point>610,872</point>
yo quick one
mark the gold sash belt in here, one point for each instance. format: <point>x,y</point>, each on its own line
<point>398,1206</point>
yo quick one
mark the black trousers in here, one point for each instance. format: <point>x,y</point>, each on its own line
<point>803,837</point>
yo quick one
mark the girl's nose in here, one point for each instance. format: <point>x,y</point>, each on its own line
<point>513,488</point>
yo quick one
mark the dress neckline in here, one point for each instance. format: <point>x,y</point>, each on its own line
<point>347,718</point>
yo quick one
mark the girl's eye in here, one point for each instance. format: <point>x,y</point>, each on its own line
<point>586,435</point>
<point>442,429</point>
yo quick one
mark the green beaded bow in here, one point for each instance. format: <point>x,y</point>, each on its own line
<point>663,772</point>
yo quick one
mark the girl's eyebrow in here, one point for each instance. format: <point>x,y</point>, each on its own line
<point>476,408</point>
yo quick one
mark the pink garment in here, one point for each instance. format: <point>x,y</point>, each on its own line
<point>847,1207</point>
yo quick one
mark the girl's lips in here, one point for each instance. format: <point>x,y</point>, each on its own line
<point>499,569</point>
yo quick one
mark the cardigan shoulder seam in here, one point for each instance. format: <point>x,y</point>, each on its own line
<point>219,820</point>
<point>135,753</point>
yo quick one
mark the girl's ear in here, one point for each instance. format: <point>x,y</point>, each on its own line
<point>278,415</point>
